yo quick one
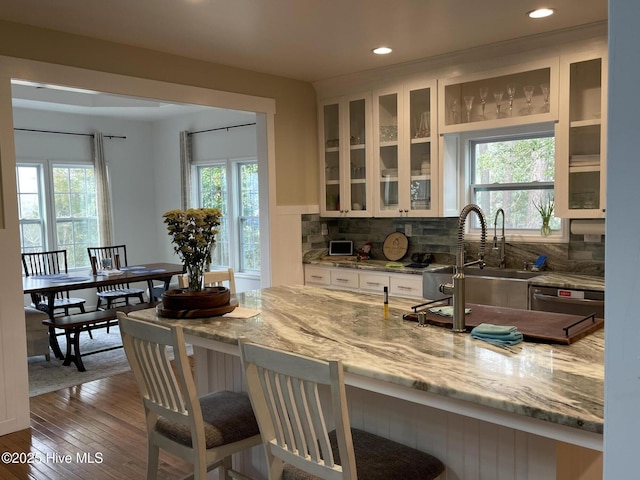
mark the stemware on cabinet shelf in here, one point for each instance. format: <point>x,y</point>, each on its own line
<point>468,101</point>
<point>545,96</point>
<point>484,91</point>
<point>497,95</point>
<point>528,95</point>
<point>511,93</point>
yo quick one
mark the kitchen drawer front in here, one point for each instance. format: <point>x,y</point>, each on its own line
<point>344,278</point>
<point>370,282</point>
<point>317,276</point>
<point>406,286</point>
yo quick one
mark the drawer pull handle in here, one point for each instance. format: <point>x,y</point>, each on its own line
<point>342,279</point>
<point>373,283</point>
<point>317,276</point>
<point>402,287</point>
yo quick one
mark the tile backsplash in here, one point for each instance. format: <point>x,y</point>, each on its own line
<point>439,236</point>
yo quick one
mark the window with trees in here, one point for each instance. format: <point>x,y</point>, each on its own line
<point>57,209</point>
<point>232,187</point>
<point>515,173</point>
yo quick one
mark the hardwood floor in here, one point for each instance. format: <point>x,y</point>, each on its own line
<point>95,430</point>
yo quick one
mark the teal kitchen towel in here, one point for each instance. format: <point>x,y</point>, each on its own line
<point>446,311</point>
<point>497,334</point>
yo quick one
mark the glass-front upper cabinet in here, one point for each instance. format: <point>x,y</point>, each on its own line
<point>343,144</point>
<point>386,112</point>
<point>517,95</point>
<point>580,138</point>
<point>403,151</point>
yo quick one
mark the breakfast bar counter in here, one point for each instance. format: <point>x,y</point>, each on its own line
<point>406,379</point>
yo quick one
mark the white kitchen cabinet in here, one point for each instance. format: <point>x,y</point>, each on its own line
<point>345,278</point>
<point>399,284</point>
<point>404,153</point>
<point>581,137</point>
<point>345,126</point>
<point>373,282</point>
<point>518,95</point>
<point>409,286</point>
<point>317,275</point>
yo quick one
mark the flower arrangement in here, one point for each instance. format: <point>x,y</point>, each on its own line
<point>546,211</point>
<point>193,233</point>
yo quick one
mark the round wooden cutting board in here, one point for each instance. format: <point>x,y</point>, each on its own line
<point>395,246</point>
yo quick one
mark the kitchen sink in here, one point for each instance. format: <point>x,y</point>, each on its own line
<point>490,272</point>
<point>488,286</point>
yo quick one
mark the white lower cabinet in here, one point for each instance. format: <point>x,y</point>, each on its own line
<point>344,278</point>
<point>374,282</point>
<point>317,276</point>
<point>406,286</point>
<point>399,284</point>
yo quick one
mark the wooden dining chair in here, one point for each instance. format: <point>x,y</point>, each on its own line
<point>53,262</point>
<point>283,388</point>
<point>117,294</point>
<point>204,431</point>
<point>222,278</point>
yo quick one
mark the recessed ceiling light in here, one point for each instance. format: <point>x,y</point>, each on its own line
<point>541,12</point>
<point>382,50</point>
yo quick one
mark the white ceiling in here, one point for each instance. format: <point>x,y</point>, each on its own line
<point>303,39</point>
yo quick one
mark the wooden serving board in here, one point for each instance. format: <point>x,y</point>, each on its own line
<point>535,326</point>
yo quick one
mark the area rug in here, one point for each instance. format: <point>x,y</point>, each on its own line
<point>50,376</point>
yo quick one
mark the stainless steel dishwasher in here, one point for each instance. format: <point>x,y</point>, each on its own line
<point>566,300</point>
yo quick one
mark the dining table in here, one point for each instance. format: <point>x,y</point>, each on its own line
<point>50,285</point>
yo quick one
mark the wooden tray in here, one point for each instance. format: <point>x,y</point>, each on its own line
<point>535,326</point>
<point>197,313</point>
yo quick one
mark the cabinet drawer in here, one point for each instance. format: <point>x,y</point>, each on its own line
<point>344,279</point>
<point>317,276</point>
<point>406,286</point>
<point>370,282</point>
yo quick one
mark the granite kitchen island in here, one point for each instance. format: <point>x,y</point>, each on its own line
<point>486,411</point>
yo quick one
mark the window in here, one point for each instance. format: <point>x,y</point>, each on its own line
<point>516,173</point>
<point>232,187</point>
<point>57,209</point>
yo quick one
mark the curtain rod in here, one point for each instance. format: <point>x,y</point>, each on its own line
<point>222,128</point>
<point>67,133</point>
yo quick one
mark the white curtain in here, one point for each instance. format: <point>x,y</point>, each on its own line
<point>185,168</point>
<point>102,191</point>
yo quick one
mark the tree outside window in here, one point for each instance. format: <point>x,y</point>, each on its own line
<point>232,187</point>
<point>57,209</point>
<point>514,174</point>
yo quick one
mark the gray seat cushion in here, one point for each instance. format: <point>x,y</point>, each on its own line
<point>380,458</point>
<point>228,418</point>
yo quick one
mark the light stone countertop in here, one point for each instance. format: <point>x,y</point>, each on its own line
<point>563,384</point>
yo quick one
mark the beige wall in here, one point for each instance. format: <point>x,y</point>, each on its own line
<point>295,119</point>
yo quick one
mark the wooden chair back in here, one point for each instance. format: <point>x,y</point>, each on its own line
<point>214,278</point>
<point>165,392</point>
<point>219,278</point>
<point>173,410</point>
<point>116,253</point>
<point>283,388</point>
<point>52,262</point>
<point>118,256</point>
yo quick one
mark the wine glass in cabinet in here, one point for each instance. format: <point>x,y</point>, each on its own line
<point>345,125</point>
<point>512,91</point>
